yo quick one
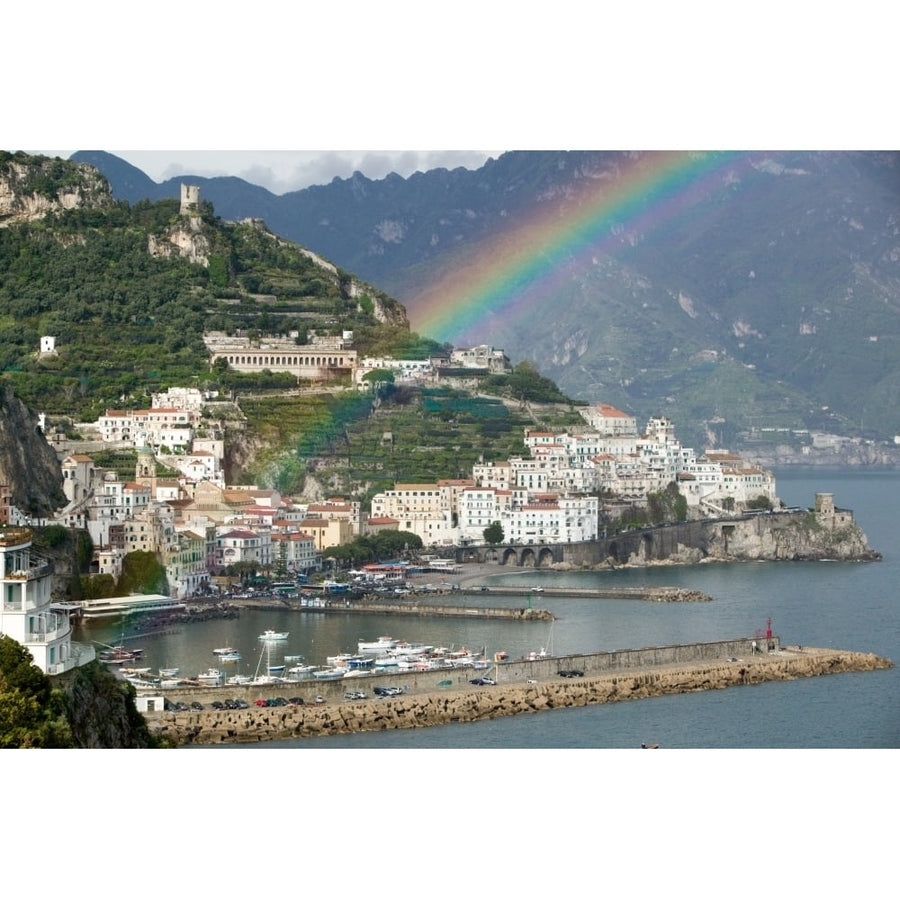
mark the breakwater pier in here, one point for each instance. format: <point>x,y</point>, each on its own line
<point>522,686</point>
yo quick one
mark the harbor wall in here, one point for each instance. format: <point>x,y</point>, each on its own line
<point>428,704</point>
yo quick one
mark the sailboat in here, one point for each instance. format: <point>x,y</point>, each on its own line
<point>544,652</point>
<point>270,677</point>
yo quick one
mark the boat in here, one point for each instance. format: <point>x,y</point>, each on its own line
<point>223,651</point>
<point>238,679</point>
<point>385,642</point>
<point>301,671</point>
<point>387,662</point>
<point>118,656</point>
<point>270,635</point>
<point>294,658</point>
<point>169,673</point>
<point>273,673</point>
<point>230,657</point>
<point>329,674</point>
<point>212,677</point>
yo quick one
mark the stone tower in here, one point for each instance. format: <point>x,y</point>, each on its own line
<point>190,199</point>
<point>145,470</point>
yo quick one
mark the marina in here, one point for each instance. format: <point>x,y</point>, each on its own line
<point>820,603</point>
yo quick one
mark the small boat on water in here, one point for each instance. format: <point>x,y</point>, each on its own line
<point>232,657</point>
<point>295,658</point>
<point>276,670</point>
<point>222,651</point>
<point>270,635</point>
<point>213,677</point>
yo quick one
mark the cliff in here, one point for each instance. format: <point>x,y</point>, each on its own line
<point>28,464</point>
<point>33,186</point>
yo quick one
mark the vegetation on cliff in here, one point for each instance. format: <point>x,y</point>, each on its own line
<point>93,709</point>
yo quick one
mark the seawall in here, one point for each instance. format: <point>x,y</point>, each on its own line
<point>523,687</point>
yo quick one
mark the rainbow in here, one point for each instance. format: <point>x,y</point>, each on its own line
<point>507,274</point>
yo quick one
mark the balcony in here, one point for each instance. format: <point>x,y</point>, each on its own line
<point>47,635</point>
<point>29,574</point>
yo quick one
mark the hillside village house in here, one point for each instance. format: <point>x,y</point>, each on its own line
<point>325,357</point>
<point>240,545</point>
<point>295,551</point>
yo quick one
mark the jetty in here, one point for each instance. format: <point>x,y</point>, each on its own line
<point>522,686</point>
<point>656,594</point>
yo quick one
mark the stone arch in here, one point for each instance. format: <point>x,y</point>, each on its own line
<point>527,558</point>
<point>545,558</point>
<point>507,554</point>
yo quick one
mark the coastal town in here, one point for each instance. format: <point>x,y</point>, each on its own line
<point>199,526</point>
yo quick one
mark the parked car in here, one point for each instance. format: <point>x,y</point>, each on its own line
<point>217,704</point>
<point>570,673</point>
<point>261,701</point>
<point>197,706</point>
<point>297,701</point>
<point>479,681</point>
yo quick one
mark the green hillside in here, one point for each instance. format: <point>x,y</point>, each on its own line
<point>128,322</point>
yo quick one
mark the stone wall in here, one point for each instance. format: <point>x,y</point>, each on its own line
<point>467,703</point>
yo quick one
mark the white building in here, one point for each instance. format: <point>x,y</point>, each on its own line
<point>295,552</point>
<point>480,507</point>
<point>241,545</point>
<point>552,519</point>
<point>157,428</point>
<point>609,421</point>
<point>26,612</point>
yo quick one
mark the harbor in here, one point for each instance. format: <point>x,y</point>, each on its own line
<point>606,678</point>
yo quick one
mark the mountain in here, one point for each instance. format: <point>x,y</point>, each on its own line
<point>757,296</point>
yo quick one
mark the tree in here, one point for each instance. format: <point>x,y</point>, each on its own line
<point>493,534</point>
<point>31,712</point>
<point>668,505</point>
<point>142,572</point>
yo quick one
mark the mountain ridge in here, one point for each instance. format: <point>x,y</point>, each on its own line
<point>772,301</point>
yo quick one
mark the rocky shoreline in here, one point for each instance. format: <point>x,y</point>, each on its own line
<point>470,704</point>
